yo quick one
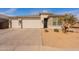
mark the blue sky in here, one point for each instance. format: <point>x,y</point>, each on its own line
<point>32,11</point>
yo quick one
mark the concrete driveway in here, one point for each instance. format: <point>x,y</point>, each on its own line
<point>20,39</point>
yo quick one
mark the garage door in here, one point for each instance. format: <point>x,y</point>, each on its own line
<point>32,23</point>
<point>15,24</point>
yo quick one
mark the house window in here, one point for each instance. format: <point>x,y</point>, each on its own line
<point>54,21</point>
<point>57,22</point>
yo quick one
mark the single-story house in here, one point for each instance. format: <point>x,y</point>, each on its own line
<point>35,21</point>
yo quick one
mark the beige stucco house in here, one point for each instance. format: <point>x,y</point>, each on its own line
<point>35,21</point>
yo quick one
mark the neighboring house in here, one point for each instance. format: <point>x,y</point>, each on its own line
<point>4,21</point>
<point>76,25</point>
<point>35,21</point>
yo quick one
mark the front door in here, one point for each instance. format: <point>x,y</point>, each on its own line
<point>45,22</point>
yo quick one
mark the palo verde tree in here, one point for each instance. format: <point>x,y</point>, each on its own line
<point>70,19</point>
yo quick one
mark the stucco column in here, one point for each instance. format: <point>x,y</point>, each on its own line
<point>20,21</point>
<point>10,23</point>
<point>21,24</point>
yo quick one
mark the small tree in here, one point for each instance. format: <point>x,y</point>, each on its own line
<point>69,20</point>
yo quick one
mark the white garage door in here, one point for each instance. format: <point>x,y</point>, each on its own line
<point>15,24</point>
<point>32,23</point>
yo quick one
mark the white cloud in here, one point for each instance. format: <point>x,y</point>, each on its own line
<point>36,12</point>
<point>46,11</point>
<point>9,12</point>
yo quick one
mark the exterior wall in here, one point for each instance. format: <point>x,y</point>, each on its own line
<point>50,21</point>
<point>15,24</point>
<point>32,23</point>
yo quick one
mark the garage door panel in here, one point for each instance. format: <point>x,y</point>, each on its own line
<point>32,24</point>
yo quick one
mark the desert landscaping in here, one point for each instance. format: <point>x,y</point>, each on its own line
<point>60,40</point>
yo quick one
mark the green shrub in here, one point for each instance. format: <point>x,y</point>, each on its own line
<point>56,30</point>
